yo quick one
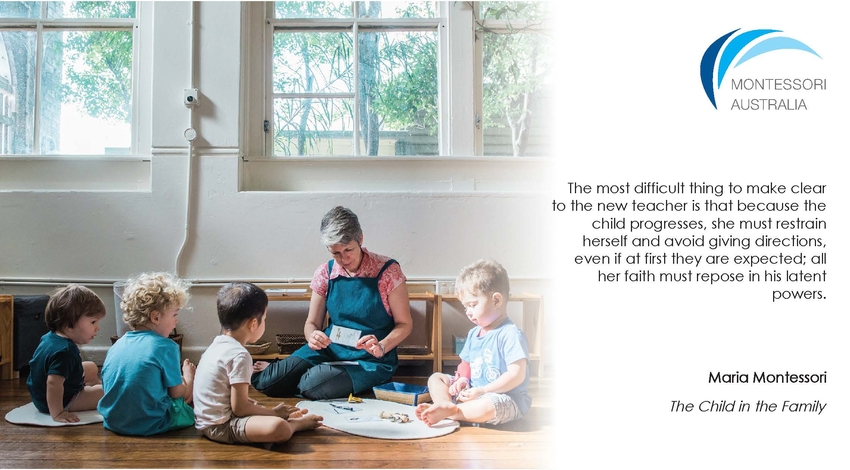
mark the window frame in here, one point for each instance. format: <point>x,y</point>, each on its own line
<point>44,24</point>
<point>354,25</point>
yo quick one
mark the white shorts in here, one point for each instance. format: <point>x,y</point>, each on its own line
<point>506,408</point>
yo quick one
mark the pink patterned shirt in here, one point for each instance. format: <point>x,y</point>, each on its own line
<point>369,267</point>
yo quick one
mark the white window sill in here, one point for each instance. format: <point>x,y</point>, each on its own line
<point>396,174</point>
<point>75,173</point>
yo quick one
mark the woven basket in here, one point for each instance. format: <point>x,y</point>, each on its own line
<point>405,394</point>
<point>259,348</point>
<point>288,343</point>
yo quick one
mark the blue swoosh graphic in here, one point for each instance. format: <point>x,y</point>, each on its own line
<point>706,66</point>
<point>735,46</point>
<point>775,44</point>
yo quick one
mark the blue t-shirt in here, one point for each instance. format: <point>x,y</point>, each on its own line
<point>490,355</point>
<point>55,355</point>
<point>138,370</point>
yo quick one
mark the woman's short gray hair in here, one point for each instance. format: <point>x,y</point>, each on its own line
<point>340,226</point>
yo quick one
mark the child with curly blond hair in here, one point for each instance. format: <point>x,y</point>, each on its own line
<point>144,390</point>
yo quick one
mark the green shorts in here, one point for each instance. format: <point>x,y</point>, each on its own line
<point>182,415</point>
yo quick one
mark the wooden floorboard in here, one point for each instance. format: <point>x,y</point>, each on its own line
<point>525,444</point>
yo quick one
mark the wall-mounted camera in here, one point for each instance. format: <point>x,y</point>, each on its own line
<point>190,96</point>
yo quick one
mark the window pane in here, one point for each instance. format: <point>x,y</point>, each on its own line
<point>86,90</point>
<point>70,9</point>
<point>531,11</point>
<point>313,63</point>
<point>20,9</point>
<point>310,126</point>
<point>398,9</point>
<point>398,93</point>
<point>17,92</point>
<point>517,93</point>
<point>291,10</point>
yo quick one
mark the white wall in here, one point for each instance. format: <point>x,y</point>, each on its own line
<point>52,237</point>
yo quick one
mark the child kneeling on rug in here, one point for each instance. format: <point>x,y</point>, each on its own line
<point>146,390</point>
<point>223,410</point>
<point>491,385</point>
<point>60,382</point>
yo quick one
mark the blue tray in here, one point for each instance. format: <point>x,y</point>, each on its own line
<point>398,392</point>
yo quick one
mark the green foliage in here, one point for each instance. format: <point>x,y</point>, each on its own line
<point>312,9</point>
<point>98,64</point>
<point>103,84</point>
<point>406,97</point>
<point>515,65</point>
<point>103,9</point>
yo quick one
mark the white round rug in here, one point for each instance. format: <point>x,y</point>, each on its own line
<point>364,419</point>
<point>28,414</point>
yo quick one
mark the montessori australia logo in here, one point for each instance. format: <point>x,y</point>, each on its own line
<point>777,93</point>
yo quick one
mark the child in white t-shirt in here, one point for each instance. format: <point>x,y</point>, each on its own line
<point>223,410</point>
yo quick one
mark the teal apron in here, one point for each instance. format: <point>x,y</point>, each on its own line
<point>355,302</point>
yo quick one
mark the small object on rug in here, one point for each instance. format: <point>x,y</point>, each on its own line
<point>353,399</point>
<point>29,415</point>
<point>395,417</point>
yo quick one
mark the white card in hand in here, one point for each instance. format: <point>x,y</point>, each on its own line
<point>343,335</point>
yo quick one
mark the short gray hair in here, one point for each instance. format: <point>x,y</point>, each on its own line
<point>340,226</point>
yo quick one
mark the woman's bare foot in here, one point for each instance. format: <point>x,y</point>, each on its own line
<point>436,412</point>
<point>260,366</point>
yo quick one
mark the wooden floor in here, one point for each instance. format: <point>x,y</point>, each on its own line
<point>524,444</point>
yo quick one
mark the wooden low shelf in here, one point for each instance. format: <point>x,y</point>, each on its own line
<point>7,318</point>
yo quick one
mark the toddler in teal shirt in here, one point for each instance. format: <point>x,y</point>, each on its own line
<point>144,390</point>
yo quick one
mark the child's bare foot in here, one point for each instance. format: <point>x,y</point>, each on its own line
<point>436,412</point>
<point>303,423</point>
<point>420,408</point>
<point>288,412</point>
<point>189,379</point>
<point>260,366</point>
<point>188,370</point>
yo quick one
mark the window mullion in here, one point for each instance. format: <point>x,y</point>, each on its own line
<point>268,40</point>
<point>356,85</point>
<point>39,55</point>
<point>135,73</point>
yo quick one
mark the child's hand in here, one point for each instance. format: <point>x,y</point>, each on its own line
<point>305,422</point>
<point>470,394</point>
<point>288,412</point>
<point>66,417</point>
<point>188,370</point>
<point>260,366</point>
<point>458,386</point>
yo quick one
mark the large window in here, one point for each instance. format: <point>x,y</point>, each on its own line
<point>353,78</point>
<point>416,78</point>
<point>515,89</point>
<point>66,77</point>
